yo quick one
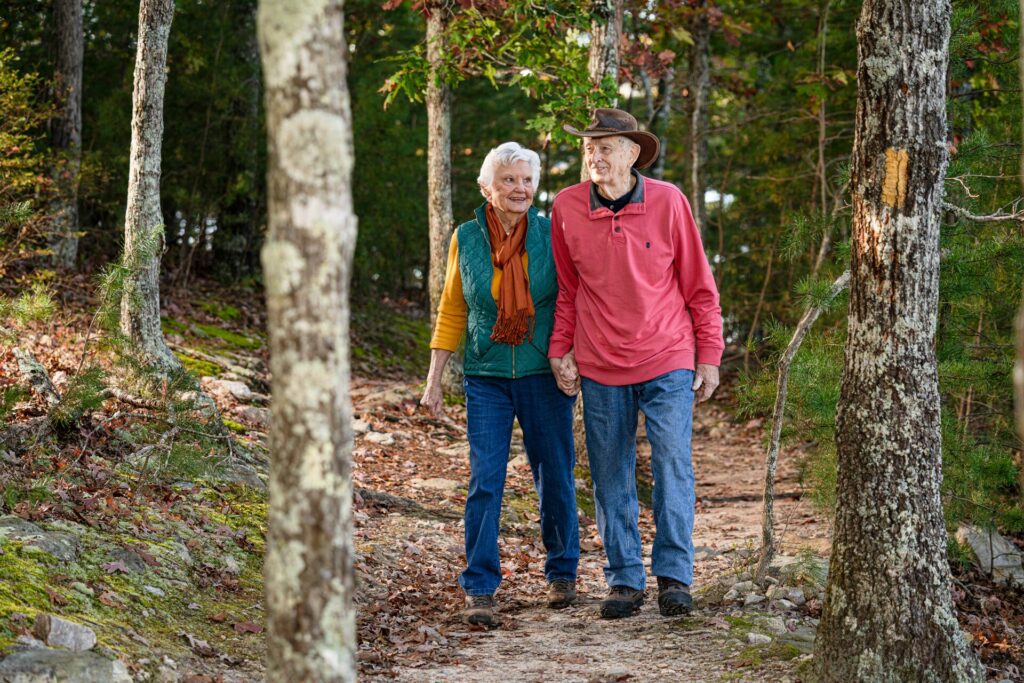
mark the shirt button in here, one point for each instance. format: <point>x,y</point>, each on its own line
<point>618,229</point>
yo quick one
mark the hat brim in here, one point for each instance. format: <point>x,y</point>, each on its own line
<point>649,144</point>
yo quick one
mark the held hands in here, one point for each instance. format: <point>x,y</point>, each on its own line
<point>705,381</point>
<point>567,374</point>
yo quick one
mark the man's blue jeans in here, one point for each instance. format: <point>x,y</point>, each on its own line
<point>610,416</point>
<point>545,416</point>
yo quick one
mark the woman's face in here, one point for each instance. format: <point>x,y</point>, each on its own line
<point>511,190</point>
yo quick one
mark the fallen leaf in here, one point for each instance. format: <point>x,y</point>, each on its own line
<point>248,627</point>
<point>219,617</point>
<point>114,567</point>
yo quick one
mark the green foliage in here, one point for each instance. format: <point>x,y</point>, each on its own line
<point>34,304</point>
<point>83,394</point>
<point>9,397</point>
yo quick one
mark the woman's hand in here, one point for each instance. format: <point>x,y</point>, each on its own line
<point>567,374</point>
<point>433,398</point>
<point>433,394</point>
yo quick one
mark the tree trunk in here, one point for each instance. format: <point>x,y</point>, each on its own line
<point>1018,367</point>
<point>888,615</point>
<point>605,35</point>
<point>307,266</point>
<point>67,131</point>
<point>439,154</point>
<point>143,224</point>
<point>698,84</point>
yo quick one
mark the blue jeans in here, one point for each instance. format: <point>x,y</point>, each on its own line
<point>610,416</point>
<point>545,416</point>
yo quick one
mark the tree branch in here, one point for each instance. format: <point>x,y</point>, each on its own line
<point>999,217</point>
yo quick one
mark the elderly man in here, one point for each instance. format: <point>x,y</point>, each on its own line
<point>637,317</point>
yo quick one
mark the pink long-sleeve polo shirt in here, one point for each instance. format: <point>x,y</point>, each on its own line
<point>636,295</point>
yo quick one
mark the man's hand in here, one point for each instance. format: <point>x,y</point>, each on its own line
<point>567,375</point>
<point>705,381</point>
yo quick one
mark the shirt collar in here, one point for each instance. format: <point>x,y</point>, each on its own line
<point>636,204</point>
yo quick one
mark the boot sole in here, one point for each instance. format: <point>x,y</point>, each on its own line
<point>674,610</point>
<point>620,610</point>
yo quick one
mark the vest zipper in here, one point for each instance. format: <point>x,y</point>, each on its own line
<point>513,362</point>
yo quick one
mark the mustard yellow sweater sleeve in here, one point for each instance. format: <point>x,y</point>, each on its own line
<point>451,312</point>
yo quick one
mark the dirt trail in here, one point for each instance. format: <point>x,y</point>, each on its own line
<point>411,552</point>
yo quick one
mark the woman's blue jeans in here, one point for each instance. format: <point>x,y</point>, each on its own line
<point>545,416</point>
<point>610,417</point>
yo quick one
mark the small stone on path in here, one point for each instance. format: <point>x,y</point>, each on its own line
<point>58,632</point>
<point>758,638</point>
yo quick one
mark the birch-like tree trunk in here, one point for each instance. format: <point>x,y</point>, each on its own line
<point>1018,366</point>
<point>67,130</point>
<point>143,223</point>
<point>439,152</point>
<point>698,83</point>
<point>888,615</point>
<point>307,266</point>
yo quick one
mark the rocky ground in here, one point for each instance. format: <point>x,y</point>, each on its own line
<point>130,555</point>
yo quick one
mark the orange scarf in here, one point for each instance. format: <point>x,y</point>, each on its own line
<point>515,305</point>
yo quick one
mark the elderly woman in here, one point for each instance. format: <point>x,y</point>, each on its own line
<point>500,291</point>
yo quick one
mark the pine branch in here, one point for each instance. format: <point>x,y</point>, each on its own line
<point>768,513</point>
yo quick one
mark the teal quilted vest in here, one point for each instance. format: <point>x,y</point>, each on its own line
<point>487,358</point>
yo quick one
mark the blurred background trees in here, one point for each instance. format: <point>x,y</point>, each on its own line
<point>754,102</point>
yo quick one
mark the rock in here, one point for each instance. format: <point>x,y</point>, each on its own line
<point>153,590</point>
<point>131,559</point>
<point>437,483</point>
<point>379,438</point>
<point>243,474</point>
<point>58,632</point>
<point>30,642</point>
<point>64,547</point>
<point>752,599</point>
<point>166,675</point>
<point>758,638</point>
<point>519,461</point>
<point>231,565</point>
<point>732,595</point>
<point>775,625</point>
<point>258,417</point>
<point>744,586</point>
<point>744,576</point>
<point>47,666</point>
<point>783,603</point>
<point>774,592</point>
<point>997,557</point>
<point>224,388</point>
<point>360,426</point>
<point>83,589</point>
<point>459,450</point>
<point>728,580</point>
<point>796,596</point>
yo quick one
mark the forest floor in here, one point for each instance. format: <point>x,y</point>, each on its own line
<point>160,557</point>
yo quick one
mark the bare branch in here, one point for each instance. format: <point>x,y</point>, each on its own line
<point>999,217</point>
<point>768,513</point>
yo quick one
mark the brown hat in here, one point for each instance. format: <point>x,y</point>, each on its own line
<point>608,122</point>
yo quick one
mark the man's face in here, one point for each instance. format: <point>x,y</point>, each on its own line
<point>609,159</point>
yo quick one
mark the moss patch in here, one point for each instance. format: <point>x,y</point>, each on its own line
<point>225,312</point>
<point>755,655</point>
<point>199,368</point>
<point>228,337</point>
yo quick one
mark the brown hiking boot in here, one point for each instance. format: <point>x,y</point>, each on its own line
<point>561,593</point>
<point>622,601</point>
<point>673,598</point>
<point>480,610</point>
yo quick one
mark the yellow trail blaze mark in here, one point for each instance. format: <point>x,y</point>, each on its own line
<point>894,187</point>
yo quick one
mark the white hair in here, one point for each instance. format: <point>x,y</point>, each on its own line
<point>508,154</point>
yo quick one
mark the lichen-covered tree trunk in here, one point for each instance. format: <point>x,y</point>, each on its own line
<point>603,58</point>
<point>698,82</point>
<point>67,131</point>
<point>143,224</point>
<point>307,265</point>
<point>888,613</point>
<point>439,153</point>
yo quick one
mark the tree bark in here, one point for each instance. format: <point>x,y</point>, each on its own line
<point>826,237</point>
<point>603,60</point>
<point>888,614</point>
<point>144,225</point>
<point>1018,366</point>
<point>697,85</point>
<point>439,153</point>
<point>307,267</point>
<point>67,131</point>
